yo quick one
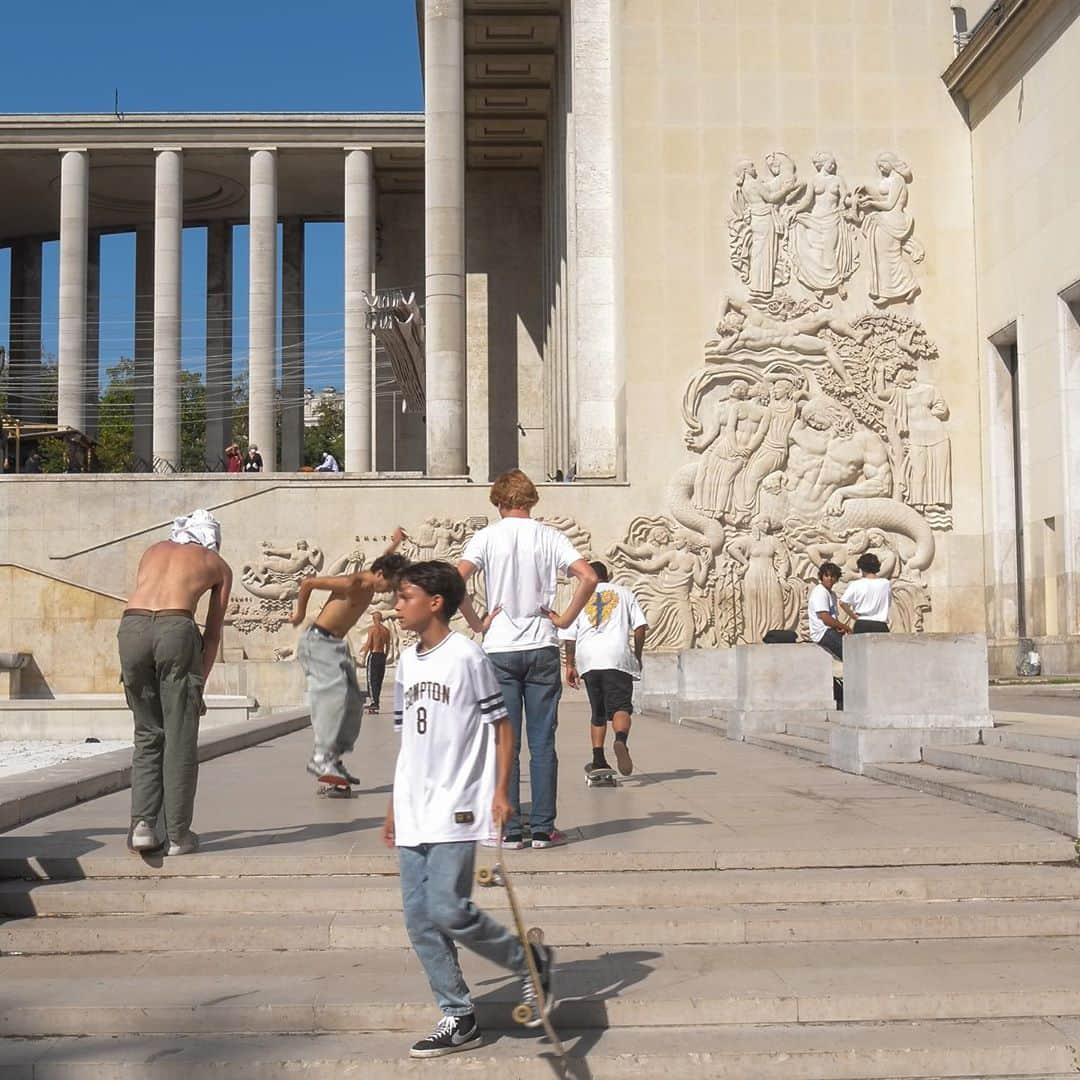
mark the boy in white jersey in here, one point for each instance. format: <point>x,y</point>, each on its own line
<point>867,598</point>
<point>598,647</point>
<point>451,787</point>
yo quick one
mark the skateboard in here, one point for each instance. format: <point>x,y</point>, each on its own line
<point>524,1013</point>
<point>600,777</point>
<point>334,789</point>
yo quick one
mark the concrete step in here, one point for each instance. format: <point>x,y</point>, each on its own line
<point>796,746</point>
<point>1050,740</point>
<point>703,889</point>
<point>384,990</point>
<point>753,923</point>
<point>815,730</point>
<point>1055,810</point>
<point>933,1048</point>
<point>1003,763</point>
<point>711,725</point>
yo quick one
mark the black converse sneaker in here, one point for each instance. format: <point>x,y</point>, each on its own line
<point>452,1034</point>
<point>544,957</point>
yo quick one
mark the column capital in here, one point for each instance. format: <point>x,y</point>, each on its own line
<point>256,149</point>
<point>168,149</point>
<point>72,150</point>
<point>348,148</point>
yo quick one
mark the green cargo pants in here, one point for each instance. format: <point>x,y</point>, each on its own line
<point>161,669</point>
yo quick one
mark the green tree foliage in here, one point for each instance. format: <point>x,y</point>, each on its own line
<point>327,435</point>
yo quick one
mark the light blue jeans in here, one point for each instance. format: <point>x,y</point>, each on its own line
<point>436,883</point>
<point>531,682</point>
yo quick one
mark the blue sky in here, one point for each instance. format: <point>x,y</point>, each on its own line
<point>234,55</point>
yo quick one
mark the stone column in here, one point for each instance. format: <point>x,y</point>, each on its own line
<point>444,236</point>
<point>292,345</point>
<point>219,370</point>
<point>24,331</point>
<point>597,358</point>
<point>262,303</point>
<point>143,446</point>
<point>359,367</point>
<point>168,241</point>
<point>71,348</point>
<point>93,333</point>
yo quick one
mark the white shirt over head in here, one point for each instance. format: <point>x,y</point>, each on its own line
<point>521,559</point>
<point>820,600</point>
<point>869,598</point>
<point>602,631</point>
<point>446,700</point>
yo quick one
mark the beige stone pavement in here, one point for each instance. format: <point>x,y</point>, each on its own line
<point>695,800</point>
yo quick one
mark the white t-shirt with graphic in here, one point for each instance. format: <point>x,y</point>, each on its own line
<point>521,559</point>
<point>821,599</point>
<point>446,700</point>
<point>602,631</point>
<point>869,598</point>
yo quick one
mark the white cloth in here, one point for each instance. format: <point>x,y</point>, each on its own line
<point>521,560</point>
<point>602,631</point>
<point>445,700</point>
<point>199,527</point>
<point>820,599</point>
<point>869,598</point>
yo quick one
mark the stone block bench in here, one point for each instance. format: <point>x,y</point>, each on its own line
<point>777,685</point>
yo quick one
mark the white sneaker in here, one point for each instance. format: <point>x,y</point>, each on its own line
<point>186,845</point>
<point>142,837</point>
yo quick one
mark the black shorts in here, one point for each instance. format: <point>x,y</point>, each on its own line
<point>609,692</point>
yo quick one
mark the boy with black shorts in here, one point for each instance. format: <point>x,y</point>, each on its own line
<point>598,651</point>
<point>451,787</point>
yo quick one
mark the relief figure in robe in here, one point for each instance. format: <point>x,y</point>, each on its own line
<point>757,227</point>
<point>821,238</point>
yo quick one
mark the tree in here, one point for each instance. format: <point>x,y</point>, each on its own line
<point>327,434</point>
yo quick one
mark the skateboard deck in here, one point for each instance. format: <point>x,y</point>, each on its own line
<point>600,777</point>
<point>524,1013</point>
<point>333,789</point>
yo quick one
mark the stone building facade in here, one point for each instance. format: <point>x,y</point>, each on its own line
<point>773,284</point>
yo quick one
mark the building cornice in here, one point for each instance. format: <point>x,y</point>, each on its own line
<point>1006,40</point>
<point>211,130</point>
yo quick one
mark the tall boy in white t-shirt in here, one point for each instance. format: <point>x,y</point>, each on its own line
<point>868,597</point>
<point>522,560</point>
<point>450,785</point>
<point>598,647</point>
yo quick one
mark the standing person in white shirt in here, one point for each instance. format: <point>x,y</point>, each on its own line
<point>450,786</point>
<point>598,649</point>
<point>522,560</point>
<point>822,612</point>
<point>867,598</point>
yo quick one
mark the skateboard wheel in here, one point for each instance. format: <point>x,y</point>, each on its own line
<point>484,876</point>
<point>535,936</point>
<point>522,1014</point>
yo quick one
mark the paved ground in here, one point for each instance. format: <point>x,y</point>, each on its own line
<point>695,800</point>
<point>1045,700</point>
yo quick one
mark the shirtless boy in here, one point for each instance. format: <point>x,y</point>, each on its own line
<point>374,656</point>
<point>336,700</point>
<point>164,665</point>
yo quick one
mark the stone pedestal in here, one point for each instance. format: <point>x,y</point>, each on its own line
<point>776,684</point>
<point>706,683</point>
<point>906,691</point>
<point>659,684</point>
<point>11,665</point>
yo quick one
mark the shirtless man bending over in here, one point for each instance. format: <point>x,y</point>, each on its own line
<point>336,699</point>
<point>164,665</point>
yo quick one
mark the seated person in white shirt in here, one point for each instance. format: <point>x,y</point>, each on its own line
<point>598,647</point>
<point>823,613</point>
<point>867,598</point>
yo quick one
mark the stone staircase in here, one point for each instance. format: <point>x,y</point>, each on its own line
<point>671,966</point>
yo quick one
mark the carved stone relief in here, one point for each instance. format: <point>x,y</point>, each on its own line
<point>783,229</point>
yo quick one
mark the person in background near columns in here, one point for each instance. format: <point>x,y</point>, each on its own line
<point>234,461</point>
<point>867,598</point>
<point>598,646</point>
<point>324,654</point>
<point>823,614</point>
<point>522,560</point>
<point>164,665</point>
<point>374,656</point>
<point>253,462</point>
<point>329,463</point>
